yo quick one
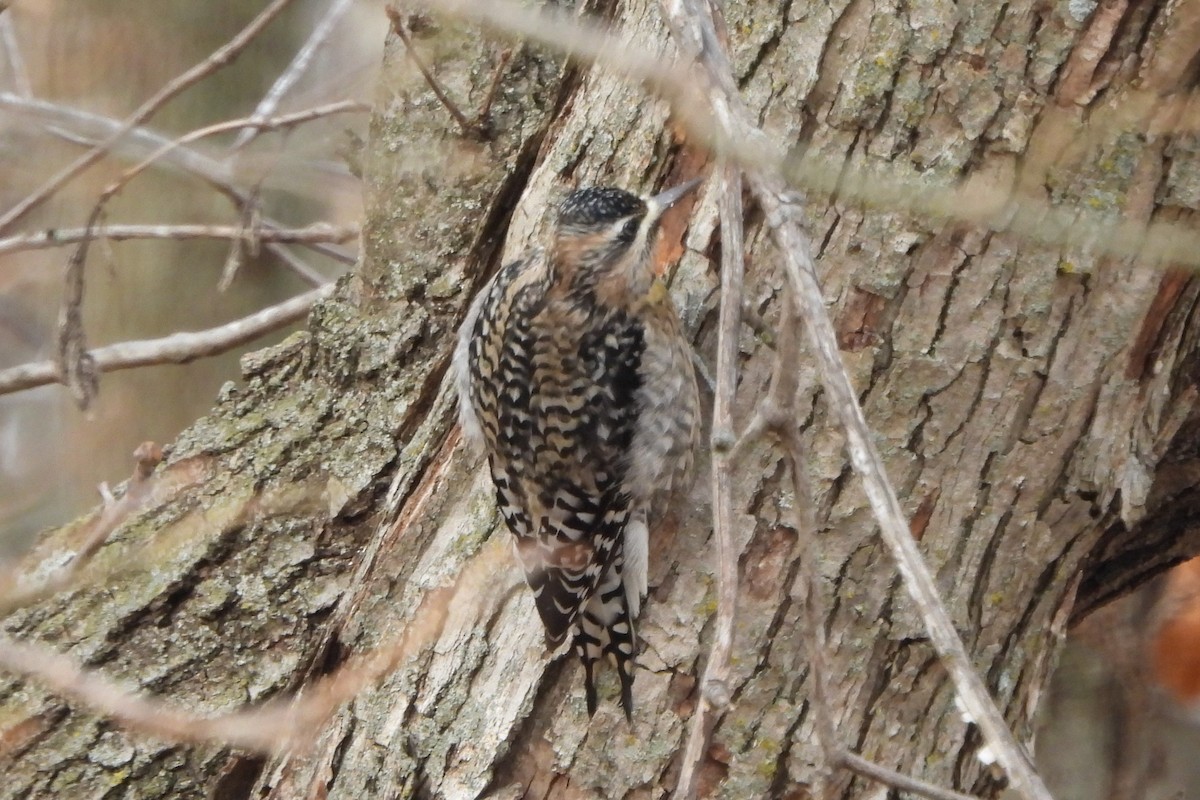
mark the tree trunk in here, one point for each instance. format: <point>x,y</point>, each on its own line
<point>1034,406</point>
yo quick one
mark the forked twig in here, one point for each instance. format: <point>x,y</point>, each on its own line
<point>401,30</point>
<point>85,125</point>
<point>478,127</point>
<point>75,364</point>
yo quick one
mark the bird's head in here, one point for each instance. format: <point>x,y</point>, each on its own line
<point>605,235</point>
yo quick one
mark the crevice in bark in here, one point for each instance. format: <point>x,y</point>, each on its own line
<point>954,240</point>
<point>238,778</point>
<point>980,585</point>
<point>967,525</point>
<point>882,662</point>
<point>1127,558</point>
<point>767,48</point>
<point>522,761</point>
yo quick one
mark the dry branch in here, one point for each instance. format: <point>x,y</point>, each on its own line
<point>62,237</point>
<point>178,348</point>
<point>840,395</point>
<point>295,69</point>
<point>75,365</point>
<point>85,125</point>
<point>259,124</point>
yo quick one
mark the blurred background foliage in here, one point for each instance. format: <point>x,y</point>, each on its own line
<point>107,57</point>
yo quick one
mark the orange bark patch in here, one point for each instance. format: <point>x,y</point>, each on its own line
<point>1145,347</point>
<point>860,321</point>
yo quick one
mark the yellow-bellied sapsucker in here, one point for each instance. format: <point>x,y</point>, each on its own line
<point>574,372</point>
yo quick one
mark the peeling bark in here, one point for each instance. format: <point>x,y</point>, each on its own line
<point>1035,408</point>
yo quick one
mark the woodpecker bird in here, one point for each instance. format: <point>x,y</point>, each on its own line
<point>574,373</point>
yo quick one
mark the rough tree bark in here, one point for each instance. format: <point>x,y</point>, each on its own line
<point>1034,405</point>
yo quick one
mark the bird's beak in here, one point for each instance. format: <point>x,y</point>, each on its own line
<point>664,200</point>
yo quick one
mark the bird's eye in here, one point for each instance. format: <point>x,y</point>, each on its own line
<point>629,231</point>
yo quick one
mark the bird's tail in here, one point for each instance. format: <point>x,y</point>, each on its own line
<point>605,627</point>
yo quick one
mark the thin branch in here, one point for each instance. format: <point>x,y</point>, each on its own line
<point>777,412</point>
<point>216,174</point>
<point>483,116</point>
<point>75,364</point>
<point>897,780</point>
<point>893,525</point>
<point>577,37</point>
<point>260,124</point>
<point>714,688</point>
<point>465,125</point>
<point>215,61</point>
<point>178,348</point>
<point>62,237</point>
<point>295,69</point>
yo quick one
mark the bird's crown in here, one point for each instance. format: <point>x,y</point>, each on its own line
<point>598,206</point>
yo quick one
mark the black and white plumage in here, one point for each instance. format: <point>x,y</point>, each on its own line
<point>574,373</point>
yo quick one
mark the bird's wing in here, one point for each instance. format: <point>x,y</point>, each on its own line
<point>576,438</point>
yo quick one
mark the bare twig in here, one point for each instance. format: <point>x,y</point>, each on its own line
<point>178,348</point>
<point>714,688</point>
<point>575,36</point>
<point>75,364</point>
<point>295,69</point>
<point>215,61</point>
<point>466,126</point>
<point>893,525</point>
<point>483,115</point>
<point>217,174</point>
<point>897,780</point>
<point>776,413</point>
<point>62,237</point>
<point>259,124</point>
